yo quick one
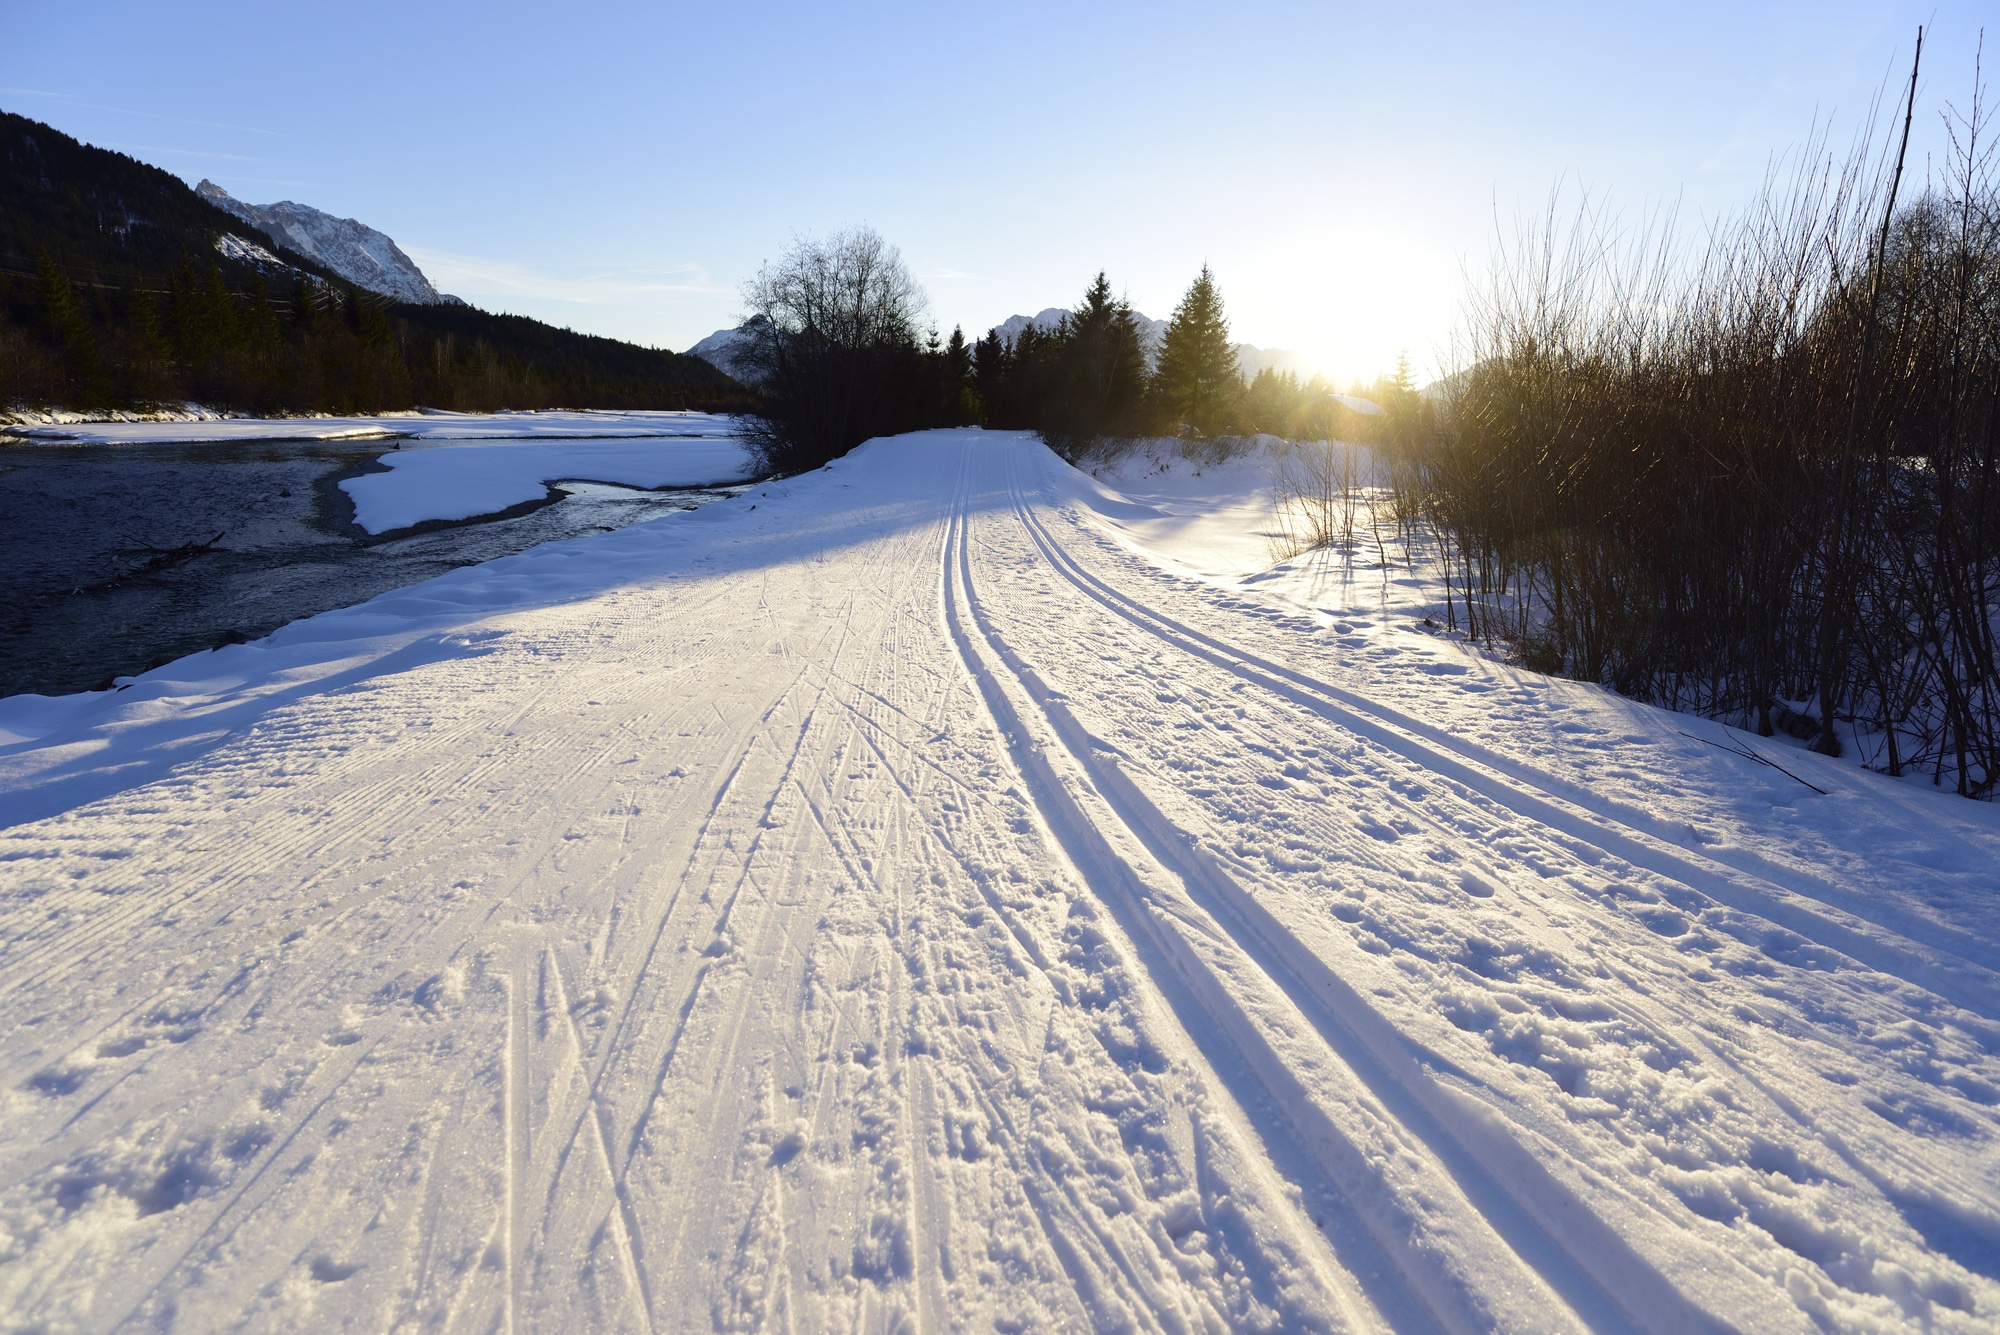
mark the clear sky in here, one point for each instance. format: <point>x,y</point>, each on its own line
<point>620,168</point>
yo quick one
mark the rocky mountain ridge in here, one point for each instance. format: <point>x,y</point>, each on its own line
<point>357,252</point>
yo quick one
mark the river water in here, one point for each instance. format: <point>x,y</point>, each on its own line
<point>78,524</point>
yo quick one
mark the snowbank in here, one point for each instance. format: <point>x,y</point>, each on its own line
<point>460,481</point>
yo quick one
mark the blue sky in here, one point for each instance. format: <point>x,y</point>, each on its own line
<point>621,168</point>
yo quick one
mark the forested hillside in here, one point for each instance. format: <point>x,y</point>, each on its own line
<point>119,285</point>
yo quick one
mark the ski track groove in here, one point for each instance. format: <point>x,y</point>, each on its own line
<point>1550,803</point>
<point>1366,1044</point>
<point>1007,725</point>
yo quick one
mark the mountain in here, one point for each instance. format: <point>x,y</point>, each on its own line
<point>120,286</point>
<point>1251,359</point>
<point>109,220</point>
<point>357,252</point>
<point>724,350</point>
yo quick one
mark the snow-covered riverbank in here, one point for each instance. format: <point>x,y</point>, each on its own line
<point>950,893</point>
<point>200,425</point>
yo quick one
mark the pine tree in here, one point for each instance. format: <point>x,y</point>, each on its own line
<point>143,313</point>
<point>1197,377</point>
<point>960,404</point>
<point>369,322</point>
<point>260,324</point>
<point>220,310</point>
<point>68,327</point>
<point>989,376</point>
<point>1104,369</point>
<point>305,304</point>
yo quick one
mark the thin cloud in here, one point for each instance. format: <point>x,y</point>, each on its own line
<point>178,152</point>
<point>129,111</point>
<point>269,180</point>
<point>604,288</point>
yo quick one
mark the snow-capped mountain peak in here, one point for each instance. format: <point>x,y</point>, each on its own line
<point>726,350</point>
<point>357,252</point>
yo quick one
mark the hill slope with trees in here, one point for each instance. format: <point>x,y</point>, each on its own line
<point>120,286</point>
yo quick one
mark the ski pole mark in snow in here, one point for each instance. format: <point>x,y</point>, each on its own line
<point>903,907</point>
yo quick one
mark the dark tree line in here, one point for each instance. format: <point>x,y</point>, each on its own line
<point>315,347</point>
<point>1089,378</point>
<point>834,344</point>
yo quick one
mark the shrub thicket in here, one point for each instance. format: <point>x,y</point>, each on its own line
<point>1755,479</point>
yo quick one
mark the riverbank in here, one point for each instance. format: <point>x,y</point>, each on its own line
<point>202,425</point>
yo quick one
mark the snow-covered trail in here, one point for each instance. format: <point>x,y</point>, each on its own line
<point>901,906</point>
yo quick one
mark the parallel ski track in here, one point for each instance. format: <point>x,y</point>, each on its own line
<point>1926,964</point>
<point>1528,1212</point>
<point>1071,830</point>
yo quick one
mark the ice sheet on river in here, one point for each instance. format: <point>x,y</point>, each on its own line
<point>459,481</point>
<point>911,903</point>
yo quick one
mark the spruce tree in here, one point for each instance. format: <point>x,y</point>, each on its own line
<point>220,310</point>
<point>68,327</point>
<point>1197,378</point>
<point>960,405</point>
<point>1103,378</point>
<point>990,374</point>
<point>368,320</point>
<point>260,325</point>
<point>305,304</point>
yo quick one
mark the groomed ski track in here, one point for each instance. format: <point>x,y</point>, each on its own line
<point>902,907</point>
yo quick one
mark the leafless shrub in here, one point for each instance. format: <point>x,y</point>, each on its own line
<point>1318,486</point>
<point>1754,476</point>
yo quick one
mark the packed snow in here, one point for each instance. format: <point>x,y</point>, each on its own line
<point>463,481</point>
<point>949,889</point>
<point>203,426</point>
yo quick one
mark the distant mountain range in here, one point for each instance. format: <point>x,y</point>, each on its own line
<point>357,252</point>
<point>722,349</point>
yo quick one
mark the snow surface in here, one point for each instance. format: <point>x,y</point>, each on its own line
<point>961,892</point>
<point>236,248</point>
<point>460,481</point>
<point>423,424</point>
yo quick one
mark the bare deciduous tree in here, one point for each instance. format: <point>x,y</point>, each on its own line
<point>832,340</point>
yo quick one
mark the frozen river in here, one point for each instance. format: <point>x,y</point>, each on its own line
<point>77,520</point>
